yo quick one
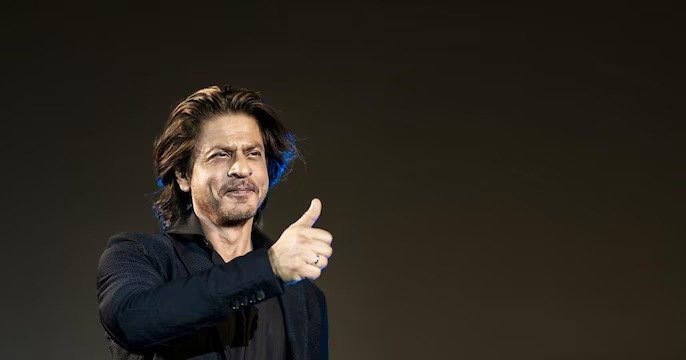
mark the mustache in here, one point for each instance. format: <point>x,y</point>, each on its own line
<point>244,185</point>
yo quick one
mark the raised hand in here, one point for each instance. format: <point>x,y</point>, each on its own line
<point>302,251</point>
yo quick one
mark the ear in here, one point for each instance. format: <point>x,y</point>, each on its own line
<point>183,182</point>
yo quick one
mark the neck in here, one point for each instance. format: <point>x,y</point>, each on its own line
<point>230,242</point>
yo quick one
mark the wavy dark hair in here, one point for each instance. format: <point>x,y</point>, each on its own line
<point>175,148</point>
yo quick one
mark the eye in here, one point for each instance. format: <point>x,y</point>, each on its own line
<point>221,154</point>
<point>255,153</point>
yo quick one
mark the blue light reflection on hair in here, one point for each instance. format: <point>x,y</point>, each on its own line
<point>278,167</point>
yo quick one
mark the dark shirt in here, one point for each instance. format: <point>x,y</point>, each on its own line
<point>254,332</point>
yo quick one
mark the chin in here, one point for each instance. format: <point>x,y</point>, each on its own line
<point>240,210</point>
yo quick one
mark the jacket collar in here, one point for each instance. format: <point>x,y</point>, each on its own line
<point>188,224</point>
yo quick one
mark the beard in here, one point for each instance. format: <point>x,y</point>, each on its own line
<point>229,211</point>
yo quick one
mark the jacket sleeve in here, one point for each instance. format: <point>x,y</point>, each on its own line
<point>140,310</point>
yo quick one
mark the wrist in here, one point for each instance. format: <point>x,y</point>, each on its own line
<point>272,262</point>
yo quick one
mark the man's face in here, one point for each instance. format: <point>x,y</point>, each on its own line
<point>229,179</point>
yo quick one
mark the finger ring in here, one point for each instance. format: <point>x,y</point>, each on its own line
<point>316,261</point>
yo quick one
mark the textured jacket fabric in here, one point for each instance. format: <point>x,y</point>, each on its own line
<point>159,297</point>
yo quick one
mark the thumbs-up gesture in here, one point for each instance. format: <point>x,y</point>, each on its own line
<point>302,251</point>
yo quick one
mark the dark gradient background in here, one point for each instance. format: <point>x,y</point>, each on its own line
<point>502,181</point>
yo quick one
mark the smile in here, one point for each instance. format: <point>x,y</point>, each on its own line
<point>240,192</point>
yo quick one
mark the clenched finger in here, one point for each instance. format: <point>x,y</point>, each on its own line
<point>322,261</point>
<point>321,248</point>
<point>311,272</point>
<point>318,234</point>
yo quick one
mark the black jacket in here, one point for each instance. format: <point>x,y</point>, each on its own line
<point>159,297</point>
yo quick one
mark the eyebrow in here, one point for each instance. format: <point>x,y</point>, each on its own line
<point>248,147</point>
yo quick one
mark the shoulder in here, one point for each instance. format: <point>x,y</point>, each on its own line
<point>156,250</point>
<point>149,244</point>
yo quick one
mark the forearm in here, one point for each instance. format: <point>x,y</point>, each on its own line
<point>141,317</point>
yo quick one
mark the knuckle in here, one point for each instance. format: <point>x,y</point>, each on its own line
<point>328,251</point>
<point>301,238</point>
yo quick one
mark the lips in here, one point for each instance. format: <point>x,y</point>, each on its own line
<point>240,189</point>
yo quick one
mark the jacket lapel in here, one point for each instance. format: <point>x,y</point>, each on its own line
<point>295,318</point>
<point>191,255</point>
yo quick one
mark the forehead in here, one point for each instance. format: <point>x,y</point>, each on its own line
<point>235,130</point>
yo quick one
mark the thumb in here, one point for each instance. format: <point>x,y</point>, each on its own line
<point>311,215</point>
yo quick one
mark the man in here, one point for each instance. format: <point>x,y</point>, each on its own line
<point>211,285</point>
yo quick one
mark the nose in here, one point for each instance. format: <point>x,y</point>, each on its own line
<point>241,167</point>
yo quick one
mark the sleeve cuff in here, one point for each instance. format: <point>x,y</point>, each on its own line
<point>260,282</point>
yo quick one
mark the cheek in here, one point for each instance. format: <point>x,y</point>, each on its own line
<point>264,181</point>
<point>260,175</point>
<point>202,184</point>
